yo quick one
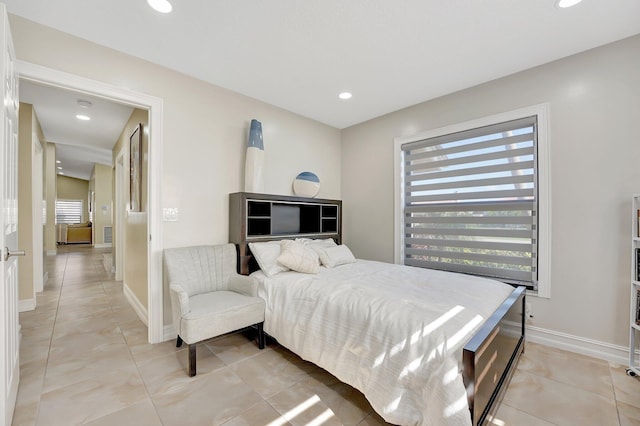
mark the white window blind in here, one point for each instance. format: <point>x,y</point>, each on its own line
<point>470,202</point>
<point>69,211</point>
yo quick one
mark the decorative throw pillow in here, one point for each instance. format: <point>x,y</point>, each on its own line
<point>266,255</point>
<point>335,256</point>
<point>296,256</point>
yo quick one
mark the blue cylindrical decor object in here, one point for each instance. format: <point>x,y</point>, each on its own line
<point>254,164</point>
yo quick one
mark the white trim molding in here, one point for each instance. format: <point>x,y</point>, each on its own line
<point>25,305</point>
<point>135,304</point>
<point>581,345</point>
<point>102,245</point>
<point>169,332</point>
<point>154,106</point>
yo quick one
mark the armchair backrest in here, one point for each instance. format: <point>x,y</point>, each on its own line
<point>201,269</point>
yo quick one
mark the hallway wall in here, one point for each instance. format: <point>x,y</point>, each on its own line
<point>29,134</point>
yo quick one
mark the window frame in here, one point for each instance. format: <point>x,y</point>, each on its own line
<point>543,171</point>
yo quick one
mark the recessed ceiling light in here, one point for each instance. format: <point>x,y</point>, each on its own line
<point>162,6</point>
<point>345,95</point>
<point>84,104</point>
<point>563,4</point>
<point>59,168</point>
<point>83,117</point>
<point>58,161</point>
<point>60,173</point>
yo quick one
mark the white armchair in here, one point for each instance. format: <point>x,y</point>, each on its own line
<point>208,297</point>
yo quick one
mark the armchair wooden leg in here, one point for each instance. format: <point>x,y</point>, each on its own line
<point>192,360</point>
<point>260,335</point>
<point>179,342</point>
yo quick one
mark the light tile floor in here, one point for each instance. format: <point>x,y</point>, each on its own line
<point>85,360</point>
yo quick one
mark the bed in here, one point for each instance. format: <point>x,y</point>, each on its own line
<point>423,346</point>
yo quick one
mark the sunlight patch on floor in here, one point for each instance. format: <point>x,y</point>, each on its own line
<point>301,408</point>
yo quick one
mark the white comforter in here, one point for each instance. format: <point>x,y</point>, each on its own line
<point>394,332</point>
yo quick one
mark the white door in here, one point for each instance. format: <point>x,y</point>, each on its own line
<point>9,339</point>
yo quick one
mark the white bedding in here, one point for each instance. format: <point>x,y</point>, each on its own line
<point>394,332</point>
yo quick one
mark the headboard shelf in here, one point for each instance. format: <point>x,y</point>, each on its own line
<point>264,217</point>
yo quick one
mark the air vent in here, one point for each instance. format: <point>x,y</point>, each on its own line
<point>107,234</point>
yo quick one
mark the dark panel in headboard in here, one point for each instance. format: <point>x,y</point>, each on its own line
<point>285,219</point>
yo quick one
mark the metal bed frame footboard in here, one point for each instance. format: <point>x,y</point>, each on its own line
<point>491,355</point>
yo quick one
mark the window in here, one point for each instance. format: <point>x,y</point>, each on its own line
<point>69,211</point>
<point>470,199</point>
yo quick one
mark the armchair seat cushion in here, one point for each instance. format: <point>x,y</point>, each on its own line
<point>219,312</point>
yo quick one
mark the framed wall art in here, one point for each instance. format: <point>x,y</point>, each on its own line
<point>135,167</point>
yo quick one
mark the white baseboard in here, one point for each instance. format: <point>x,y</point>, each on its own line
<point>581,345</point>
<point>169,333</point>
<point>103,245</point>
<point>25,305</point>
<point>52,252</point>
<point>135,304</point>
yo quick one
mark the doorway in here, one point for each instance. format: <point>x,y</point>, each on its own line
<point>153,105</point>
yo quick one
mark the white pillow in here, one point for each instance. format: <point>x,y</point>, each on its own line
<point>321,241</point>
<point>266,254</point>
<point>304,241</point>
<point>335,256</point>
<point>294,255</point>
<point>318,245</point>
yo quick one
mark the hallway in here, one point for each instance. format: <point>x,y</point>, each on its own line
<point>80,339</point>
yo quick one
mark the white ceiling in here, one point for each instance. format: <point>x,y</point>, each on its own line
<point>79,144</point>
<point>299,55</point>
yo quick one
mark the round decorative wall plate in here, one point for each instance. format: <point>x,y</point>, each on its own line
<point>306,184</point>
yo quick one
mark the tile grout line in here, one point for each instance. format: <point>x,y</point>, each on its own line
<point>566,383</point>
<point>559,380</point>
<point>615,398</point>
<point>98,272</point>
<point>53,327</point>
<point>133,360</point>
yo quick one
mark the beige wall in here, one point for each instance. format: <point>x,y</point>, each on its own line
<point>69,188</point>
<point>29,128</point>
<point>594,100</point>
<point>135,228</point>
<point>50,177</point>
<point>205,129</point>
<point>25,227</point>
<point>101,183</point>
